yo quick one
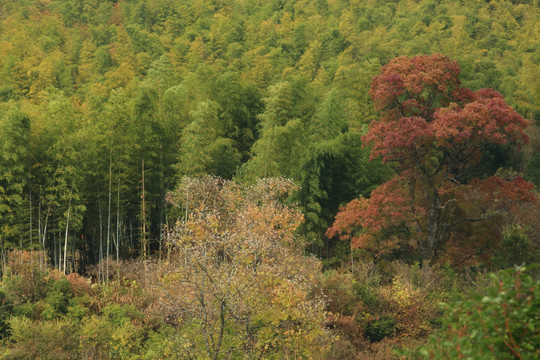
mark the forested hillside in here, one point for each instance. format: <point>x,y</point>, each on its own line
<point>244,89</point>
<point>383,145</point>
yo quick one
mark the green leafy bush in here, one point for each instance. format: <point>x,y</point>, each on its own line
<point>503,323</point>
<point>57,300</point>
<point>380,328</point>
<point>5,309</point>
<point>45,340</point>
<point>119,314</point>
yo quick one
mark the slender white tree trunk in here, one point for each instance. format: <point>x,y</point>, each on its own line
<point>44,236</point>
<point>3,257</point>
<point>144,240</point>
<point>67,232</point>
<point>109,218</point>
<point>31,227</point>
<point>39,233</point>
<point>143,217</point>
<point>118,222</point>
<point>100,254</point>
<point>59,237</point>
<point>167,239</point>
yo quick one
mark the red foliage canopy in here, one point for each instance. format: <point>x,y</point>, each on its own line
<point>435,132</point>
<point>415,86</point>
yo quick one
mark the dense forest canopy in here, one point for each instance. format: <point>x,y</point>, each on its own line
<point>246,89</point>
<point>268,179</point>
<point>437,136</point>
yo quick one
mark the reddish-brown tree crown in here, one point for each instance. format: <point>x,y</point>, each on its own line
<point>435,131</point>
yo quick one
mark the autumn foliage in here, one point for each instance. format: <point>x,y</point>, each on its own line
<point>237,276</point>
<point>434,133</point>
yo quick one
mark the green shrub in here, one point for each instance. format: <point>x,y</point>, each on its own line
<point>337,286</point>
<point>169,343</point>
<point>19,288</point>
<point>514,248</point>
<point>23,280</point>
<point>119,314</point>
<point>78,308</point>
<point>5,309</point>
<point>366,294</point>
<point>126,341</point>
<point>503,323</point>
<point>57,299</point>
<point>95,337</point>
<point>533,169</point>
<point>54,340</point>
<point>25,309</point>
<point>378,329</point>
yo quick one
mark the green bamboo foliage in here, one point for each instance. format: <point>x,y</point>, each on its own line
<point>104,85</point>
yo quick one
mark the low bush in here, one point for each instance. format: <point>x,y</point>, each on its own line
<point>502,322</point>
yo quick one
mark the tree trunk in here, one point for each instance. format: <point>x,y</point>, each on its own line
<point>3,257</point>
<point>222,313</point>
<point>54,257</point>
<point>30,210</point>
<point>118,222</point>
<point>59,236</point>
<point>39,233</point>
<point>109,219</point>
<point>433,226</point>
<point>100,255</point>
<point>143,217</point>
<point>67,232</point>
<point>143,220</point>
<point>45,236</point>
<point>167,239</point>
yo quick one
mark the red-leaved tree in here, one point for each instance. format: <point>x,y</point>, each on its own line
<point>433,132</point>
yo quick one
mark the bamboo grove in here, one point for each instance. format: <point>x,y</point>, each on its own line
<point>106,105</point>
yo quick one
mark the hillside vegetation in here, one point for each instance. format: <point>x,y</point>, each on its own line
<point>267,179</point>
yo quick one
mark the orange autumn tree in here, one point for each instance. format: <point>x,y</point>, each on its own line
<point>237,279</point>
<point>435,134</point>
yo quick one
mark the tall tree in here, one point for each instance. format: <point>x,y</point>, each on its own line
<point>68,157</point>
<point>14,166</point>
<point>204,148</point>
<point>282,141</point>
<point>335,168</point>
<point>433,132</point>
<point>238,278</point>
